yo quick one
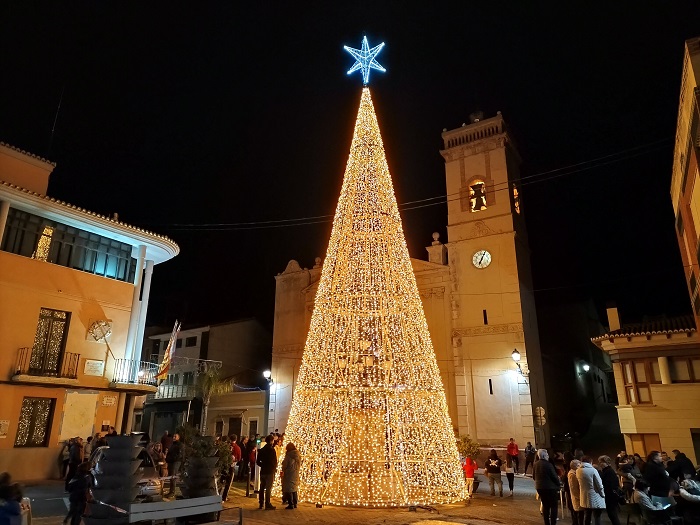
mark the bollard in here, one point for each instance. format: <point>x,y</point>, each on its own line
<point>247,486</point>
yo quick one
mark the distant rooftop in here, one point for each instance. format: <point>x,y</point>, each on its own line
<point>652,326</point>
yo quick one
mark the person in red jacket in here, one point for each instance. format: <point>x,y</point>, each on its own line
<point>514,454</point>
<point>469,466</point>
<point>236,453</point>
<point>252,458</point>
<point>235,449</point>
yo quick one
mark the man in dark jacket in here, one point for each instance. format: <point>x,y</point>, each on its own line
<point>267,461</point>
<point>655,475</point>
<point>530,452</point>
<point>75,458</point>
<point>493,472</point>
<point>547,485</point>
<point>680,466</point>
<point>78,487</point>
<point>611,486</point>
<point>243,463</point>
<point>173,459</point>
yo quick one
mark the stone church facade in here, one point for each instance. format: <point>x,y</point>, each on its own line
<point>477,296</point>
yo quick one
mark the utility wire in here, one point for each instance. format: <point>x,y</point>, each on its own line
<point>535,178</point>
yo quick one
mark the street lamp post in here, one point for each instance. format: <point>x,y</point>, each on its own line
<point>523,369</point>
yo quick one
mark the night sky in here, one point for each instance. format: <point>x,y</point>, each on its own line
<point>229,113</point>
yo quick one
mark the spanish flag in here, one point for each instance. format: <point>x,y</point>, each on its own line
<point>164,367</point>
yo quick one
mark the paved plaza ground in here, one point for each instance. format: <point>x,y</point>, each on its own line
<point>522,508</point>
<point>49,507</point>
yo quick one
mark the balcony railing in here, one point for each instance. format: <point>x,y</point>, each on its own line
<point>66,366</point>
<point>173,392</point>
<point>129,371</point>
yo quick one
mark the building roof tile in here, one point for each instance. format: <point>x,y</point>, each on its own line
<point>89,213</point>
<point>652,326</point>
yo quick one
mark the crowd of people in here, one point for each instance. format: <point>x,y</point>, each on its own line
<point>249,452</point>
<point>494,467</point>
<point>655,484</point>
<point>658,484</point>
<point>76,450</point>
<point>588,487</point>
<point>75,471</point>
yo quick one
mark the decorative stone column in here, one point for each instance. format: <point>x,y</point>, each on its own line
<point>135,304</point>
<point>4,210</point>
<point>143,308</point>
<point>664,370</point>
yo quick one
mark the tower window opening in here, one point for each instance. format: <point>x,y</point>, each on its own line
<point>490,387</point>
<point>477,195</point>
<point>486,317</point>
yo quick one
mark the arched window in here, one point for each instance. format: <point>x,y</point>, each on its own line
<point>477,195</point>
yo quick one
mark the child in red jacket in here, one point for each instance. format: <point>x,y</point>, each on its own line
<point>469,466</point>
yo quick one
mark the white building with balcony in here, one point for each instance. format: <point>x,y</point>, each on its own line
<point>74,291</point>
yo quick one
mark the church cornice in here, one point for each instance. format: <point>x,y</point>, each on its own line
<point>287,349</point>
<point>479,229</point>
<point>419,265</point>
<point>437,291</point>
<point>472,148</point>
<point>507,328</point>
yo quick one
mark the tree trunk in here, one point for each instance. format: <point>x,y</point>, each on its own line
<point>205,413</point>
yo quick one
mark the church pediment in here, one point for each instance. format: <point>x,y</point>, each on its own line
<point>420,265</point>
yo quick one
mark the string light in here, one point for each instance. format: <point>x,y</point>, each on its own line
<point>369,414</point>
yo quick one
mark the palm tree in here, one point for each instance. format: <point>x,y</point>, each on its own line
<point>210,384</point>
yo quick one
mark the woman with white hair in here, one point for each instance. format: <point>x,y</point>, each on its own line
<point>611,486</point>
<point>547,485</point>
<point>575,493</point>
<point>592,493</point>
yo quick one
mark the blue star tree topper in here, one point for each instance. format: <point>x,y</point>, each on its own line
<point>365,59</point>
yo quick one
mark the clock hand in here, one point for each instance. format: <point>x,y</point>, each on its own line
<point>482,257</point>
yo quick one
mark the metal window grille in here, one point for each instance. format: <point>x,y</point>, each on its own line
<point>49,342</point>
<point>34,423</point>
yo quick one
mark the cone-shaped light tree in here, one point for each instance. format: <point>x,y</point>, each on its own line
<point>369,414</point>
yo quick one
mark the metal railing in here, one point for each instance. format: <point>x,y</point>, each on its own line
<point>66,366</point>
<point>129,371</point>
<point>173,392</point>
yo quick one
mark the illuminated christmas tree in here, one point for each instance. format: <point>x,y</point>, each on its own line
<point>369,414</point>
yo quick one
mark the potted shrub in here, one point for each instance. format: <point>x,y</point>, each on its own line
<point>199,463</point>
<point>468,448</point>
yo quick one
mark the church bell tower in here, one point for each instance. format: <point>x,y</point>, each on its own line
<point>498,365</point>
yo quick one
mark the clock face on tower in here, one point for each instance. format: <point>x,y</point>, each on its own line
<point>481,259</point>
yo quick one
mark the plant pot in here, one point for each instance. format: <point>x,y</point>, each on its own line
<point>123,441</point>
<point>116,497</point>
<point>119,468</point>
<point>202,463</point>
<point>120,482</point>
<point>189,492</point>
<point>120,454</point>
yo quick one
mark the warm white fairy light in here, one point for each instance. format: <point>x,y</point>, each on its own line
<point>369,414</point>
